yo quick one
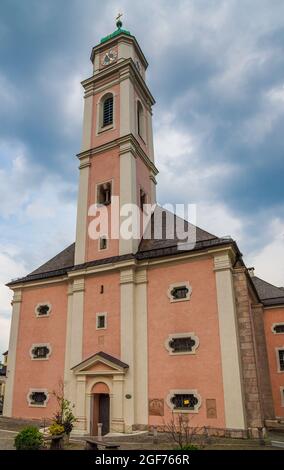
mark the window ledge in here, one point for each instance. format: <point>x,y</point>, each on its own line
<point>105,129</point>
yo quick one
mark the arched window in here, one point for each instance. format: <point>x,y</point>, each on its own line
<point>140,120</point>
<point>107,110</point>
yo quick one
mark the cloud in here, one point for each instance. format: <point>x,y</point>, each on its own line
<point>216,69</point>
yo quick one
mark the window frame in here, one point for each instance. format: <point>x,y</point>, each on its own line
<point>176,285</point>
<point>194,392</point>
<point>40,305</point>
<point>277,350</point>
<point>97,191</point>
<point>273,328</point>
<point>101,314</point>
<point>37,390</point>
<point>40,345</point>
<point>182,335</point>
<point>282,396</point>
<point>103,237</point>
<point>100,128</point>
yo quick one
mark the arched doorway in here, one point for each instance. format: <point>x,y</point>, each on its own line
<point>100,408</point>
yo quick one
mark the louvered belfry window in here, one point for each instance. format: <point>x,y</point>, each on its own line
<point>108,111</point>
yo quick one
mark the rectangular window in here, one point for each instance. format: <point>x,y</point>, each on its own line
<point>101,321</point>
<point>143,199</point>
<point>104,193</point>
<point>281,359</point>
<point>103,243</point>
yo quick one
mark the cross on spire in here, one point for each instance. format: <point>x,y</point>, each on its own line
<point>118,20</point>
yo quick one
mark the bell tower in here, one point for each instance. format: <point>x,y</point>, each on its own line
<point>117,154</point>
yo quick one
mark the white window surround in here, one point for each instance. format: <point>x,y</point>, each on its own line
<point>180,284</point>
<point>100,314</point>
<point>99,127</point>
<point>282,396</point>
<point>39,345</point>
<point>278,359</point>
<point>181,335</point>
<point>276,324</point>
<point>41,304</point>
<point>99,243</point>
<point>194,392</point>
<point>32,390</point>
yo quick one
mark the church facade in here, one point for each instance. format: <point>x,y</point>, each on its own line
<point>139,329</point>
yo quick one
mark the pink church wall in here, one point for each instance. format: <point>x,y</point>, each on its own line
<point>107,340</point>
<point>273,341</point>
<point>201,371</point>
<point>104,167</point>
<point>44,374</point>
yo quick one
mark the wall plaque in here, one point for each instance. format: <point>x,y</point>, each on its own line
<point>211,408</point>
<point>156,407</point>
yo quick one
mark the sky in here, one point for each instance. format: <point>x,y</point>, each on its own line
<point>216,69</point>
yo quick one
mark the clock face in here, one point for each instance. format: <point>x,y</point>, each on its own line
<point>109,57</point>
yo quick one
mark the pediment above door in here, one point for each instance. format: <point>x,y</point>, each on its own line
<point>100,363</point>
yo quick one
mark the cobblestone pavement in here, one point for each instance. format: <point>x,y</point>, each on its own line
<point>7,440</point>
<point>9,428</point>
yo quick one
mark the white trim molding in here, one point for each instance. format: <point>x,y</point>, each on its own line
<point>181,335</point>
<point>41,390</point>
<point>277,350</point>
<point>41,304</point>
<point>194,392</point>
<point>176,285</point>
<point>40,345</point>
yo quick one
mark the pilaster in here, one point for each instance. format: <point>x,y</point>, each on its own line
<point>230,354</point>
<point>11,364</point>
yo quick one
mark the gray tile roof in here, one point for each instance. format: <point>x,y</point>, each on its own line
<point>150,247</point>
<point>268,293</point>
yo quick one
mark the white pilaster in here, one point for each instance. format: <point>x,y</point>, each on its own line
<point>141,349</point>
<point>12,353</point>
<point>128,195</point>
<point>82,212</point>
<point>127,106</point>
<point>80,409</point>
<point>230,356</point>
<point>117,398</point>
<point>127,306</point>
<point>68,374</point>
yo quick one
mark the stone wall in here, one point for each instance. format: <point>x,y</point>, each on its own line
<point>256,382</point>
<point>247,350</point>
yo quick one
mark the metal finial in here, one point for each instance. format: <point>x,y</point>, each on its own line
<point>118,20</point>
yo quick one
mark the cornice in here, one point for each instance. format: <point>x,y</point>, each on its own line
<point>127,143</point>
<point>126,69</point>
